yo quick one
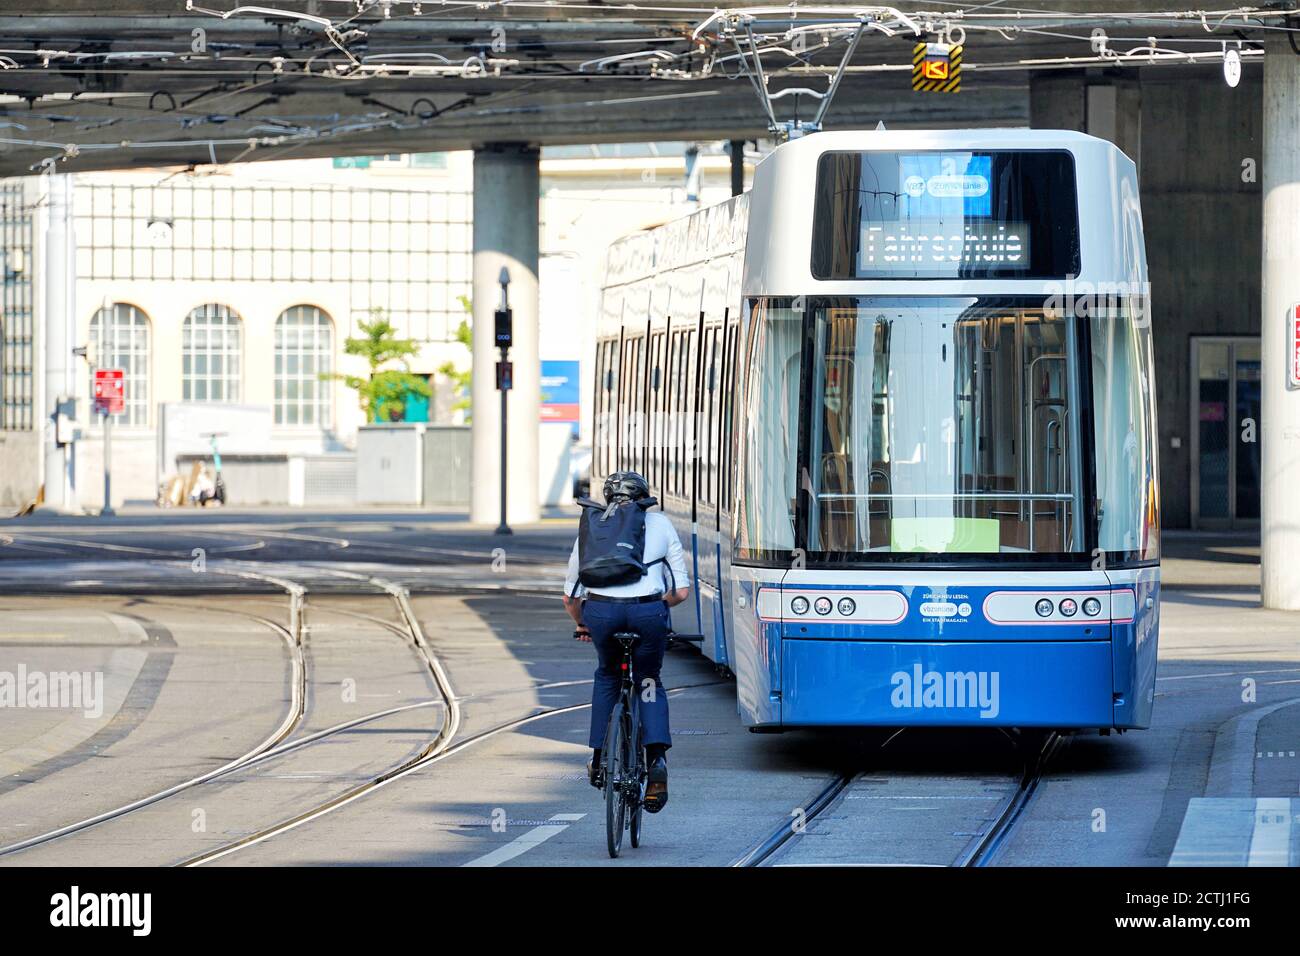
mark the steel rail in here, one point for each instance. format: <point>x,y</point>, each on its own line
<point>391,776</point>
<point>782,834</point>
<point>983,849</point>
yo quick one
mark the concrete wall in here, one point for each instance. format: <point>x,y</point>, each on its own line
<point>20,468</point>
<point>1189,134</point>
<point>1203,231</point>
<point>135,472</point>
<point>249,479</point>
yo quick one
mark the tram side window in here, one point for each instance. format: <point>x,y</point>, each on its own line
<point>709,435</point>
<point>627,406</point>
<point>1124,423</point>
<point>703,405</point>
<point>687,433</point>
<point>654,466</point>
<point>639,408</point>
<point>769,432</point>
<point>597,408</point>
<point>632,424</point>
<point>674,435</point>
<point>665,436</point>
<point>728,409</point>
<point>679,411</point>
<point>605,391</point>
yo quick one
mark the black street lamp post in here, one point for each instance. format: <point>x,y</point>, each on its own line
<point>504,330</point>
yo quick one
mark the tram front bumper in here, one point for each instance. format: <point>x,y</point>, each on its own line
<point>1058,684</point>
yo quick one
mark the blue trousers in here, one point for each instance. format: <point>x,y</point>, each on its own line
<point>652,622</point>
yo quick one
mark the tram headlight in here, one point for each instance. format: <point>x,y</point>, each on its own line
<point>1068,607</point>
<point>799,604</point>
<point>822,605</point>
<point>1044,607</point>
<point>1091,607</point>
<point>847,606</point>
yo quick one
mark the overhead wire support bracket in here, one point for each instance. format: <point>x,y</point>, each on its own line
<point>839,74</point>
<point>790,129</point>
<point>757,77</point>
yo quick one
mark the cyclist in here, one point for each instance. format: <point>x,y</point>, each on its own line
<point>641,606</point>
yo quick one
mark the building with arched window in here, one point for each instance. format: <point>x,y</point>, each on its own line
<point>212,354</point>
<point>119,338</point>
<point>304,355</point>
<point>227,297</point>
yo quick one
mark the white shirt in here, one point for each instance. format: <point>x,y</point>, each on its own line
<point>661,541</point>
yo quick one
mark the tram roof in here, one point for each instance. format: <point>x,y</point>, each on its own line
<point>774,220</point>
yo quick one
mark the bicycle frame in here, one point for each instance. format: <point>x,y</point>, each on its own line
<point>624,786</point>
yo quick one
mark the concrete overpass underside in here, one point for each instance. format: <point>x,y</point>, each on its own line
<point>120,83</point>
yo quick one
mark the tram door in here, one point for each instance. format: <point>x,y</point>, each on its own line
<point>1225,432</point>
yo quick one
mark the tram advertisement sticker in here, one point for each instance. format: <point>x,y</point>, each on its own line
<point>945,607</point>
<point>936,68</point>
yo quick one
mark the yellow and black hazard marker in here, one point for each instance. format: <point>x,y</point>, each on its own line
<point>936,68</point>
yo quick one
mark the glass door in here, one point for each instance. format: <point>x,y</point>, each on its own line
<point>1225,432</point>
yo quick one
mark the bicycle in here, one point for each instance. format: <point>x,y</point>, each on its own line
<point>623,758</point>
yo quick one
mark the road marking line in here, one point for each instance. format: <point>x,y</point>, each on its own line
<point>1235,831</point>
<point>1254,673</point>
<point>1216,831</point>
<point>1270,843</point>
<point>812,865</point>
<point>1232,771</point>
<point>534,837</point>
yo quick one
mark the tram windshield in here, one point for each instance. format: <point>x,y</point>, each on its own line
<point>943,427</point>
<point>936,425</point>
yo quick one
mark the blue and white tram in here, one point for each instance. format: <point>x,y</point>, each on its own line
<point>898,399</point>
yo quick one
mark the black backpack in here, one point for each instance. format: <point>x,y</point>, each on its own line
<point>611,542</point>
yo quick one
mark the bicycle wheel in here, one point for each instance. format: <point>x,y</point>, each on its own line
<point>639,776</point>
<point>616,764</point>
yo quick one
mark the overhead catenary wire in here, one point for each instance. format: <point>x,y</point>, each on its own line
<point>686,44</point>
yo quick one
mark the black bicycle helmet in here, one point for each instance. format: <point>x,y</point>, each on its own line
<point>626,484</point>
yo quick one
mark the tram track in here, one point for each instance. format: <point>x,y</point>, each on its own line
<point>277,744</point>
<point>442,746</point>
<point>781,835</point>
<point>379,782</point>
<point>293,717</point>
<point>262,539</point>
<point>981,851</point>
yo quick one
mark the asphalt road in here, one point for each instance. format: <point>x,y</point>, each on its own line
<point>256,728</point>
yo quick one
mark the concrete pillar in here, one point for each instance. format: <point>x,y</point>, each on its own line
<point>1058,100</point>
<point>1280,425</point>
<point>737,150</point>
<point>59,325</point>
<point>506,182</point>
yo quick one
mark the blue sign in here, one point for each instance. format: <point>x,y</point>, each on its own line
<point>933,181</point>
<point>560,391</point>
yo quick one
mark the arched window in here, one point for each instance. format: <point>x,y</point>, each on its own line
<point>119,338</point>
<point>211,349</point>
<point>304,348</point>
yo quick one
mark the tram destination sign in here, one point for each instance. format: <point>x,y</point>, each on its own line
<point>927,243</point>
<point>945,214</point>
